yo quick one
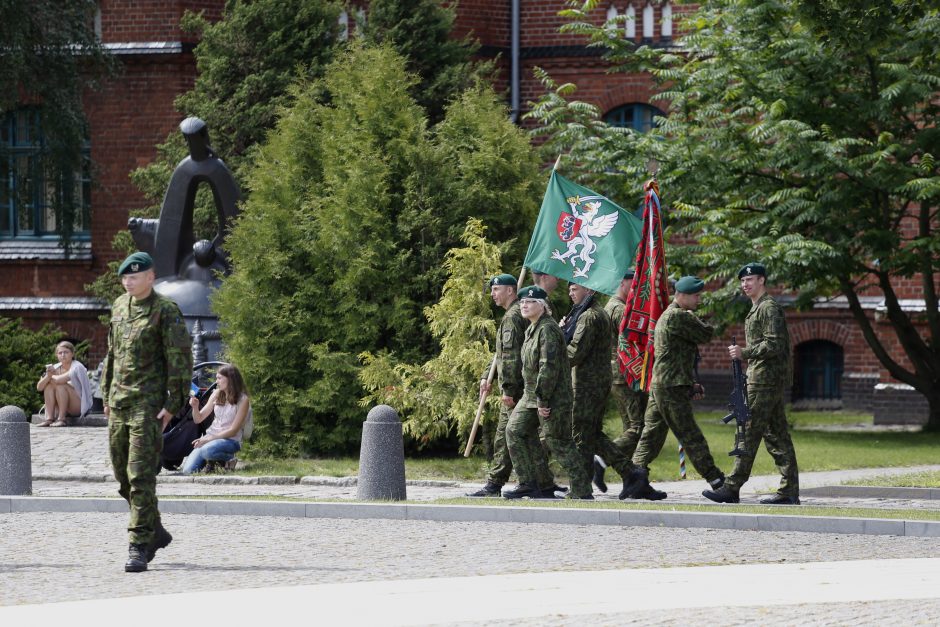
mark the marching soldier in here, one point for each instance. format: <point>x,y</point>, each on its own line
<point>546,403</point>
<point>509,338</point>
<point>769,372</point>
<point>631,404</point>
<point>675,342</point>
<point>587,331</point>
<point>145,381</point>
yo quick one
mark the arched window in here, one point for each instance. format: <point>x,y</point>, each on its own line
<point>665,30</point>
<point>611,14</point>
<point>638,116</point>
<point>630,26</point>
<point>818,372</point>
<point>648,22</point>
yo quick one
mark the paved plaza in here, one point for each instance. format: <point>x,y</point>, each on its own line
<point>59,565</point>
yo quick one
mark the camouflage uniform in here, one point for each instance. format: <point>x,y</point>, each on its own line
<point>509,339</point>
<point>148,368</point>
<point>631,404</point>
<point>676,336</point>
<point>589,354</point>
<point>769,372</point>
<point>547,378</point>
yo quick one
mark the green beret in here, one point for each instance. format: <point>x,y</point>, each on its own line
<point>533,291</point>
<point>690,285</point>
<point>136,262</point>
<point>752,269</point>
<point>503,279</point>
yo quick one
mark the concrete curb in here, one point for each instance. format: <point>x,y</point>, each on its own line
<point>872,492</point>
<point>469,513</point>
<point>224,479</point>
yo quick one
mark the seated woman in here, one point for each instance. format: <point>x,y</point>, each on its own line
<point>224,437</point>
<point>65,388</point>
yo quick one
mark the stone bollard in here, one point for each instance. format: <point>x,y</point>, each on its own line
<point>382,457</point>
<point>16,468</point>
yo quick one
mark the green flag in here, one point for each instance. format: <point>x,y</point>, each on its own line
<point>583,237</point>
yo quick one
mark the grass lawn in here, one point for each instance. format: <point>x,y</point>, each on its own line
<point>913,480</point>
<point>818,447</point>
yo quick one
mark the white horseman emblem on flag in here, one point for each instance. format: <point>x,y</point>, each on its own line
<point>579,227</point>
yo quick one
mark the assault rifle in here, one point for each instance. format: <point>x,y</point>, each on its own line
<point>738,405</point>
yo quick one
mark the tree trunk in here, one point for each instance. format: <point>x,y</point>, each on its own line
<point>933,417</point>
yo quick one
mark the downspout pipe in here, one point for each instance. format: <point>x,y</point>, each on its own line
<point>514,109</point>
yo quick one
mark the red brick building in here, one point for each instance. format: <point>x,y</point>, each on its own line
<point>134,112</point>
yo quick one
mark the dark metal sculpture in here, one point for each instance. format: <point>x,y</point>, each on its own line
<point>188,270</point>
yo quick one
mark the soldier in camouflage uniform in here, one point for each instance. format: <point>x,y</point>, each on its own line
<point>676,337</point>
<point>545,403</point>
<point>631,404</point>
<point>769,373</point>
<point>587,331</point>
<point>145,381</point>
<point>509,338</point>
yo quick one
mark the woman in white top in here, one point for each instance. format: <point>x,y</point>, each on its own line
<point>65,388</point>
<point>224,436</point>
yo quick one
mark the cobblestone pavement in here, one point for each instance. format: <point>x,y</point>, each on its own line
<point>50,557</point>
<point>55,557</point>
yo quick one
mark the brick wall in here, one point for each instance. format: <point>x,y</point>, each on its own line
<point>150,20</point>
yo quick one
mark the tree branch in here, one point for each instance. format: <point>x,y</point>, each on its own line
<point>913,344</point>
<point>927,276</point>
<point>868,332</point>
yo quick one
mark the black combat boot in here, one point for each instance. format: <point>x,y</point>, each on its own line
<point>522,491</point>
<point>781,499</point>
<point>598,478</point>
<point>136,558</point>
<point>724,494</point>
<point>648,492</point>
<point>161,540</point>
<point>717,483</point>
<point>490,489</point>
<point>636,481</point>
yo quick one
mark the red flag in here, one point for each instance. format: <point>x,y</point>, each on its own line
<point>648,298</point>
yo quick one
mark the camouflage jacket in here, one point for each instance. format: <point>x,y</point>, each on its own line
<point>676,338</point>
<point>545,368</point>
<point>149,360</point>
<point>509,339</point>
<point>614,309</point>
<point>768,344</point>
<point>589,349</point>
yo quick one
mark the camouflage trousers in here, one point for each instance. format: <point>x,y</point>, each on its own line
<point>631,405</point>
<point>587,429</point>
<point>501,466</point>
<point>671,408</point>
<point>768,422</point>
<point>522,438</point>
<point>135,440</point>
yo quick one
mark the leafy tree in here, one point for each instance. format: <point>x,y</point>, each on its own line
<point>441,394</point>
<point>49,54</point>
<point>802,134</point>
<point>23,353</point>
<point>341,244</point>
<point>420,30</point>
<point>247,62</point>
